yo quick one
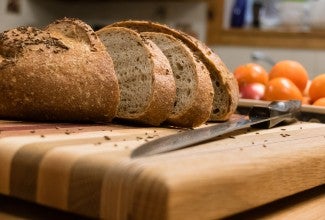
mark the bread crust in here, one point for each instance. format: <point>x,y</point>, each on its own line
<point>163,89</point>
<point>50,77</point>
<point>226,89</point>
<point>198,110</point>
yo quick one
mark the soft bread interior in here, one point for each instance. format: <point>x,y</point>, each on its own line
<point>225,87</point>
<point>133,69</point>
<point>183,70</point>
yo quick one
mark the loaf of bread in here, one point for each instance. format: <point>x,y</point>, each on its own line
<point>144,74</point>
<point>225,86</point>
<point>133,70</point>
<point>194,91</point>
<point>62,73</point>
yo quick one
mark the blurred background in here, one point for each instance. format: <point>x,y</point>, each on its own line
<point>240,31</point>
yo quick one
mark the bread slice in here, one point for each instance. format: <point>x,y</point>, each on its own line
<point>225,86</point>
<point>194,91</point>
<point>144,74</point>
<point>62,73</point>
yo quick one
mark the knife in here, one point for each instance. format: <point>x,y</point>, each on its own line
<point>258,117</point>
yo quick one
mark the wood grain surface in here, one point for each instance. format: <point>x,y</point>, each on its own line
<point>87,170</point>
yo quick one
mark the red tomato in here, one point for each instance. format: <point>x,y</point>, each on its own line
<point>282,89</point>
<point>317,87</point>
<point>292,70</point>
<point>251,73</point>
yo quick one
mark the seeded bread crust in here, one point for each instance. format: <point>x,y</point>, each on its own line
<point>159,104</point>
<point>226,93</point>
<point>47,76</point>
<point>194,94</point>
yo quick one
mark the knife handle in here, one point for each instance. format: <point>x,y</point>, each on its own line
<point>277,111</point>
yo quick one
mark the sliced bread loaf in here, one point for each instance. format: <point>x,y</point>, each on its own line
<point>225,86</point>
<point>144,74</point>
<point>194,91</point>
<point>62,73</point>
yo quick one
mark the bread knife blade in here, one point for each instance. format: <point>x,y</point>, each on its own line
<point>258,117</point>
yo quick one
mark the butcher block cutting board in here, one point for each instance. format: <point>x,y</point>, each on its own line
<point>87,169</point>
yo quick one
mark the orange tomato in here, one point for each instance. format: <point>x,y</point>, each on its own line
<point>317,87</point>
<point>320,102</point>
<point>292,70</point>
<point>251,73</point>
<point>282,89</point>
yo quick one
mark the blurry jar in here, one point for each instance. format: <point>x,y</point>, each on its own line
<point>294,15</point>
<point>269,15</point>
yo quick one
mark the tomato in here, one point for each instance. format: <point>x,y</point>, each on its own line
<point>282,89</point>
<point>251,73</point>
<point>320,102</point>
<point>317,87</point>
<point>292,70</point>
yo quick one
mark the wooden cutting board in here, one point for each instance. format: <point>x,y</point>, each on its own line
<point>86,169</point>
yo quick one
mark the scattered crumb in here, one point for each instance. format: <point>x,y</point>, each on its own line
<point>257,132</point>
<point>33,131</point>
<point>150,136</point>
<point>80,129</point>
<point>139,138</point>
<point>67,132</point>
<point>253,142</point>
<point>107,138</point>
<point>57,127</point>
<point>264,145</point>
<point>285,135</point>
<point>283,129</point>
<point>115,145</point>
<point>42,135</point>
